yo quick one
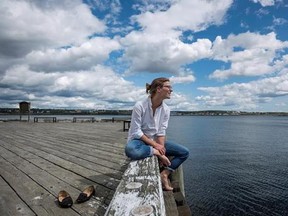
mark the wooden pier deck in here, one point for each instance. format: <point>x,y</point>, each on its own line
<point>37,160</point>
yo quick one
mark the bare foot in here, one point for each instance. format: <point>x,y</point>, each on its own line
<point>165,181</point>
<point>165,161</point>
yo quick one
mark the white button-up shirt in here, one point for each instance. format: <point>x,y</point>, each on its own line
<point>143,121</point>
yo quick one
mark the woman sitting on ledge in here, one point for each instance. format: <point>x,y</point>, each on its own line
<point>146,136</point>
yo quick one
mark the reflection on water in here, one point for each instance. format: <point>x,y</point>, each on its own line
<point>237,166</point>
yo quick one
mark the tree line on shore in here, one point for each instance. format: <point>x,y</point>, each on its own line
<point>15,111</point>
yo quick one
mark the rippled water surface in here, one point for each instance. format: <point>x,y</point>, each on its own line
<point>238,165</point>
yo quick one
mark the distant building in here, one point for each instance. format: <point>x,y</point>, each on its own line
<point>24,108</point>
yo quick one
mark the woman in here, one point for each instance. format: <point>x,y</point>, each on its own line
<point>147,131</point>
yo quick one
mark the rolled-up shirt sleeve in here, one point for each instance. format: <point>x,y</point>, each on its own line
<point>164,123</point>
<point>136,121</point>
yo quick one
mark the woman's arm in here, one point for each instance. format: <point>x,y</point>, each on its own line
<point>161,135</point>
<point>160,140</point>
<point>135,131</point>
<point>154,143</point>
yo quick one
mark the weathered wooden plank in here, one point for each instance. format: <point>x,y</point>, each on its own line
<point>63,174</point>
<point>50,148</point>
<point>139,188</point>
<point>40,201</point>
<point>45,171</point>
<point>184,210</point>
<point>61,158</point>
<point>10,203</point>
<point>179,198</point>
<point>95,176</point>
<point>99,131</point>
<point>97,149</point>
<point>81,159</point>
<point>51,183</point>
<point>112,161</point>
<point>78,139</point>
<point>170,204</point>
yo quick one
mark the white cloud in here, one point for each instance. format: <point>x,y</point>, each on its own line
<point>103,5</point>
<point>246,95</point>
<point>279,21</point>
<point>250,54</point>
<point>98,88</point>
<point>187,78</point>
<point>112,9</point>
<point>180,102</point>
<point>162,53</point>
<point>265,3</point>
<point>158,48</point>
<point>191,18</point>
<point>153,5</point>
<point>98,84</point>
<point>80,57</point>
<point>54,24</point>
<point>20,77</point>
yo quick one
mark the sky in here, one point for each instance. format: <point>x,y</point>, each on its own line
<point>99,54</point>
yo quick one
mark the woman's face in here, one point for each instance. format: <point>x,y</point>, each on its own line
<point>166,90</point>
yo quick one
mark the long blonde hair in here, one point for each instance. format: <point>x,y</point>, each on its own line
<point>158,82</point>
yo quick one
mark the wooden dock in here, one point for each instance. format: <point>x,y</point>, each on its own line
<point>37,160</point>
<point>40,159</point>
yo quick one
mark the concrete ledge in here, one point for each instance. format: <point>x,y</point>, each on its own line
<point>140,191</point>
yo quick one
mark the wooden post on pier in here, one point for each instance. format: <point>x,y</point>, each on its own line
<point>177,176</point>
<point>177,181</point>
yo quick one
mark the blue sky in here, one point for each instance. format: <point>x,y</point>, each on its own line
<point>92,54</point>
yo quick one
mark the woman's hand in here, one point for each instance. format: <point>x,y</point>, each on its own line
<point>160,148</point>
<point>155,144</point>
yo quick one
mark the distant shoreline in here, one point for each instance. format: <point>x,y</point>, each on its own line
<point>38,112</point>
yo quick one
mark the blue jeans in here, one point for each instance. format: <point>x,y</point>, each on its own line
<point>136,149</point>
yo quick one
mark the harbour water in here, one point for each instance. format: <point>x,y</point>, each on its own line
<point>238,165</point>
